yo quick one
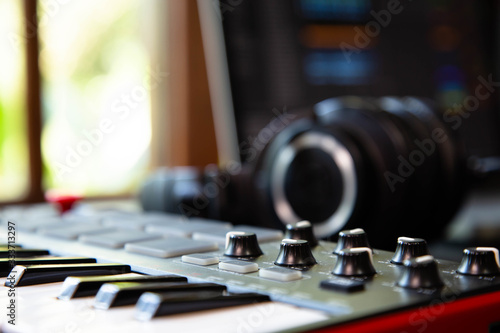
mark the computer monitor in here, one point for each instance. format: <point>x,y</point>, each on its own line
<point>265,57</point>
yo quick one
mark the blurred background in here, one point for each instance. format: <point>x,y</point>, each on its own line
<point>95,95</point>
<point>296,53</point>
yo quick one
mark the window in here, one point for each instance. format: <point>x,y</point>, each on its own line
<point>79,81</point>
<point>97,77</point>
<point>14,178</point>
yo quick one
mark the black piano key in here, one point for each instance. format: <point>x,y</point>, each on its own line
<point>74,287</point>
<point>21,253</point>
<point>38,274</point>
<point>152,305</point>
<point>6,265</point>
<point>126,293</point>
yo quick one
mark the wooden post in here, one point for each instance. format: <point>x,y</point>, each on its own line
<point>192,136</point>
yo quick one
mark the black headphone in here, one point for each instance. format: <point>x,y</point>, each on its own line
<point>389,165</point>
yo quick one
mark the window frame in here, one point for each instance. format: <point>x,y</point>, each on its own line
<point>33,104</point>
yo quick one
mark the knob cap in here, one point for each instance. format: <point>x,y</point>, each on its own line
<point>242,244</point>
<point>354,262</point>
<point>480,261</point>
<point>301,230</point>
<point>420,272</point>
<point>351,238</point>
<point>295,253</point>
<point>409,248</point>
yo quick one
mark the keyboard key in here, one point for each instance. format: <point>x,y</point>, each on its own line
<point>74,287</point>
<point>73,230</point>
<point>117,239</point>
<point>93,210</point>
<point>6,267</point>
<point>200,259</point>
<point>156,304</point>
<point>132,223</point>
<point>38,274</point>
<point>31,225</point>
<point>80,219</point>
<point>139,221</point>
<point>19,212</point>
<point>239,266</point>
<point>186,229</point>
<point>219,236</point>
<point>126,293</point>
<point>21,253</point>
<point>170,247</point>
<point>280,274</point>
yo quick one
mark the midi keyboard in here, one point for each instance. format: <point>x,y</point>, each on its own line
<point>295,283</point>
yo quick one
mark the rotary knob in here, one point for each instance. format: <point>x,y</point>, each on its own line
<point>420,272</point>
<point>301,230</point>
<point>409,248</point>
<point>354,262</point>
<point>351,238</point>
<point>295,253</point>
<point>242,244</point>
<point>480,261</point>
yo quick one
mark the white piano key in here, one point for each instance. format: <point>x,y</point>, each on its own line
<point>39,311</point>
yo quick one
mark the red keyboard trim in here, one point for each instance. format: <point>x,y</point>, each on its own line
<point>471,314</point>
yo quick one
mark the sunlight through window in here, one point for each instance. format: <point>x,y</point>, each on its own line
<point>97,80</point>
<point>14,179</point>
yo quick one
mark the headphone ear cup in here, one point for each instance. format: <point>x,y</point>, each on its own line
<point>308,173</point>
<point>415,182</point>
<point>380,141</point>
